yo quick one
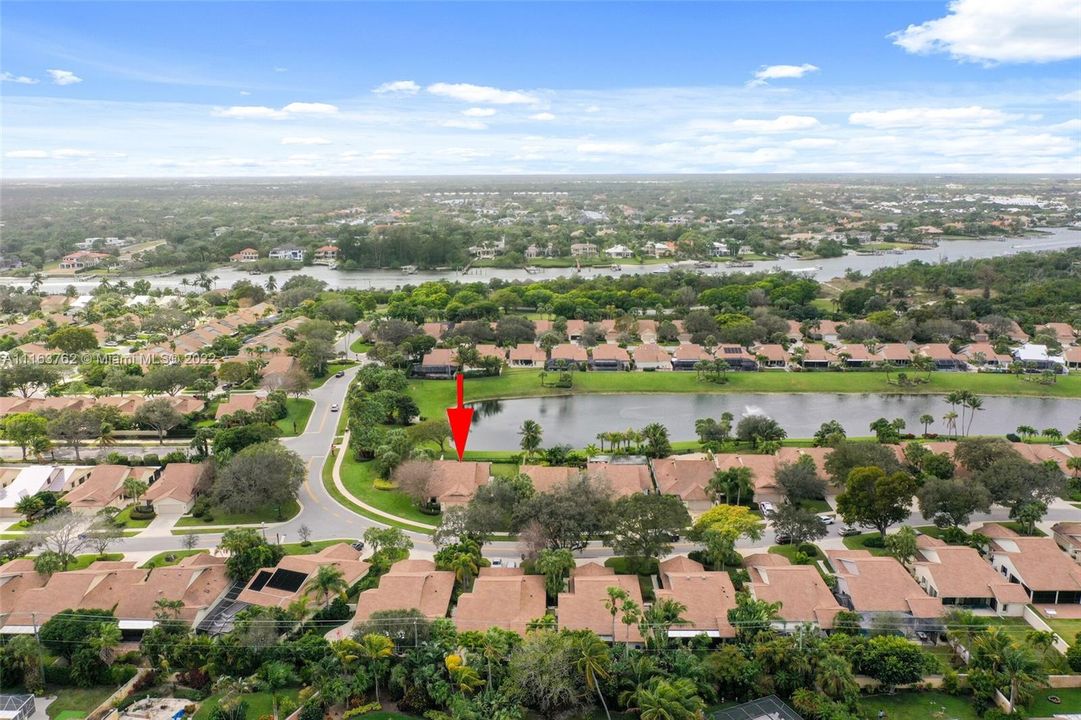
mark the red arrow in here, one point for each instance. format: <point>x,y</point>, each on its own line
<point>460,418</point>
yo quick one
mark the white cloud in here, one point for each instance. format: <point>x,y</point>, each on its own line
<point>403,87</point>
<point>479,112</point>
<point>305,141</point>
<point>780,124</point>
<point>245,93</point>
<point>543,116</point>
<point>262,112</point>
<point>1071,125</point>
<point>780,72</point>
<point>812,143</point>
<point>593,108</point>
<point>27,154</point>
<point>464,124</point>
<point>281,69</point>
<point>64,77</point>
<point>249,112</point>
<point>18,79</point>
<point>481,94</point>
<point>310,108</point>
<point>925,117</point>
<point>1074,96</point>
<point>999,31</point>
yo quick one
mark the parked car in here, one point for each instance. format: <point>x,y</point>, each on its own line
<point>358,546</point>
<point>340,373</point>
<point>827,518</point>
<point>334,407</point>
<point>849,531</point>
<point>783,539</point>
<point>765,507</point>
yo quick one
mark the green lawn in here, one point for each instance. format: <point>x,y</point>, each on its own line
<point>1065,628</point>
<point>328,483</point>
<point>359,346</point>
<point>858,542</point>
<point>124,519</point>
<point>83,561</point>
<point>331,369</point>
<point>1040,706</point>
<point>1016,527</point>
<point>314,547</point>
<point>299,410</point>
<point>260,704</point>
<point>77,700</point>
<point>358,478</point>
<point>160,560</point>
<point>919,706</point>
<point>433,396</point>
<point>268,514</point>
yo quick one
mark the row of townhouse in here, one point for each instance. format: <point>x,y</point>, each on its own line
<point>126,404</point>
<point>89,489</point>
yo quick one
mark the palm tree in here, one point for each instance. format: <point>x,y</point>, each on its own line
<point>105,641</point>
<point>834,678</point>
<point>1026,431</point>
<point>631,615</point>
<point>107,438</point>
<point>274,676</point>
<point>950,419</point>
<point>669,700</point>
<point>375,649</point>
<point>531,434</point>
<point>591,450</point>
<point>465,567</point>
<point>592,663</point>
<point>974,403</point>
<point>1053,434</point>
<point>134,488</point>
<point>1024,672</point>
<point>926,420</point>
<point>616,596</point>
<point>659,619</point>
<point>328,580</point>
<point>24,655</point>
<point>465,678</point>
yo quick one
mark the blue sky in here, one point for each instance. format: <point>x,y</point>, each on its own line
<point>219,89</point>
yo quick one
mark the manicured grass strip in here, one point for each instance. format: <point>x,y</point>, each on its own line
<point>328,483</point>
<point>1065,628</point>
<point>299,410</point>
<point>433,396</point>
<point>260,704</point>
<point>1040,706</point>
<point>359,479</point>
<point>918,706</point>
<point>858,542</point>
<point>267,514</point>
<point>313,547</point>
<point>163,559</point>
<point>331,369</point>
<point>77,700</point>
<point>84,561</point>
<point>359,346</point>
<point>124,518</point>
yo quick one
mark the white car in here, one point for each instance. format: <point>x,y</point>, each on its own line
<point>765,507</point>
<point>827,518</point>
<point>334,407</point>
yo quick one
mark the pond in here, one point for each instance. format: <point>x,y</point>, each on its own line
<point>575,420</point>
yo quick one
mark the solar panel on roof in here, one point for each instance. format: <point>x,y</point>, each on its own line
<point>287,580</point>
<point>261,580</point>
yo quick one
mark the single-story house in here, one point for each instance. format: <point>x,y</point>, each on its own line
<point>609,357</point>
<point>625,478</point>
<point>291,578</point>
<point>455,483</point>
<point>173,493</point>
<point>1047,575</point>
<point>898,354</point>
<point>503,597</point>
<point>802,593</point>
<point>707,595</point>
<point>567,355</point>
<point>771,355</point>
<point>942,356</point>
<point>526,355</point>
<point>238,402</point>
<point>686,477</point>
<point>408,585</point>
<point>687,355</point>
<point>1033,355</point>
<point>736,356</point>
<point>873,586</point>
<point>816,357</point>
<point>651,357</point>
<point>546,478</point>
<point>438,363</point>
<point>582,607</point>
<point>982,354</point>
<point>960,577</point>
<point>1068,537</point>
<point>103,487</point>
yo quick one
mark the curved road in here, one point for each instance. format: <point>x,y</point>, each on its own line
<point>328,520</point>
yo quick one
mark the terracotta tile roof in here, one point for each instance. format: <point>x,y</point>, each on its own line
<point>801,591</point>
<point>684,478</point>
<point>526,352</point>
<point>409,585</point>
<point>651,353</point>
<point>547,478</point>
<point>707,595</point>
<point>491,351</point>
<point>818,353</point>
<point>763,467</point>
<point>857,352</point>
<point>583,607</point>
<point>610,353</point>
<point>177,481</point>
<point>238,402</point>
<point>895,352</point>
<point>624,479</point>
<point>591,568</point>
<point>506,598</point>
<point>1041,564</point>
<point>569,353</point>
<point>880,584</point>
<point>960,572</point>
<point>339,555</point>
<point>773,352</point>
<point>104,484</point>
<point>939,351</point>
<point>455,483</point>
<point>439,357</point>
<point>987,350</point>
<point>690,351</point>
